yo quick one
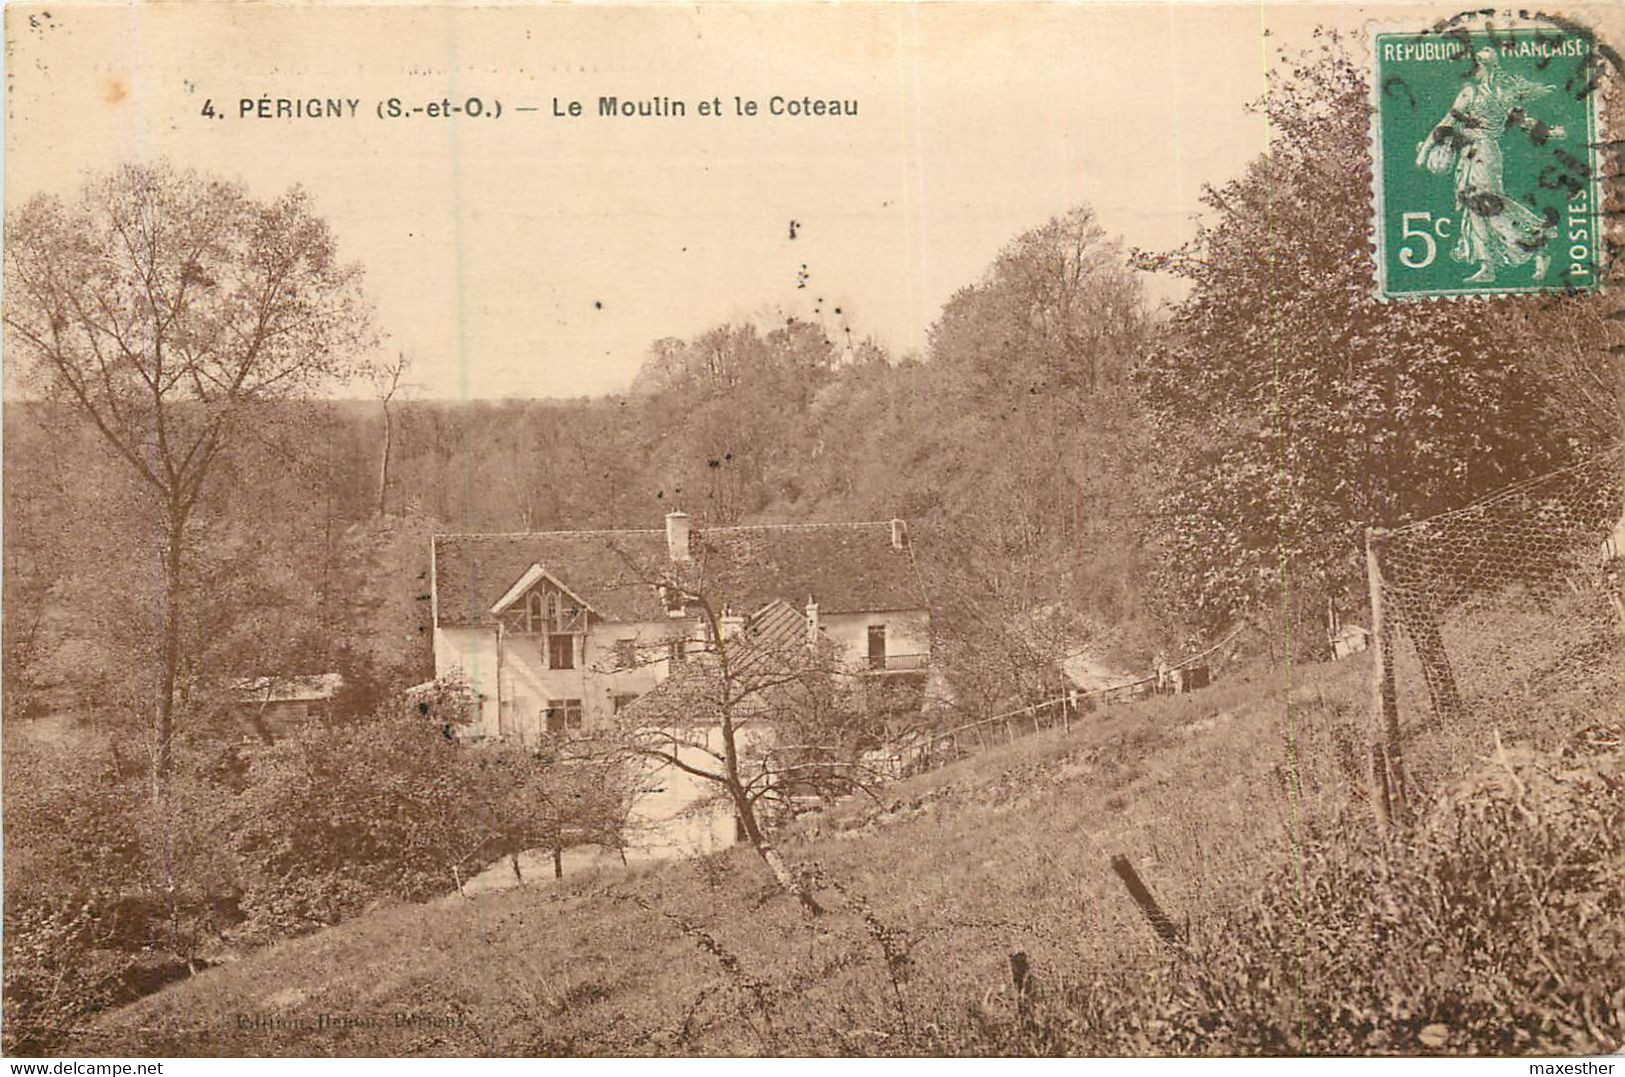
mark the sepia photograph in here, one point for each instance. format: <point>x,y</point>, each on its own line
<point>864,530</point>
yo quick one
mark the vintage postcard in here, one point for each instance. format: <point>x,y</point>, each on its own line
<point>862,530</point>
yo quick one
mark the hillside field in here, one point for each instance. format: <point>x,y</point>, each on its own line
<point>976,911</point>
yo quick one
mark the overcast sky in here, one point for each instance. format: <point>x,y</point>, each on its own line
<point>539,256</point>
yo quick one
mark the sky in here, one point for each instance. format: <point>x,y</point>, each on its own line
<point>535,255</point>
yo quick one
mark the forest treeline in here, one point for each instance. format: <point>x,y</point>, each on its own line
<point>1019,465</point>
<point>1081,471</point>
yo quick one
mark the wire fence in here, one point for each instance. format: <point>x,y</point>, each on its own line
<point>1508,608</point>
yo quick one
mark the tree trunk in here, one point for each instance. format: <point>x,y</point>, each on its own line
<point>1440,679</point>
<point>744,807</point>
<point>558,861</point>
<point>170,655</point>
<point>770,856</point>
<point>1387,761</point>
<point>383,459</point>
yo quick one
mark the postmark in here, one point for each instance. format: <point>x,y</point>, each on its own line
<point>1486,151</point>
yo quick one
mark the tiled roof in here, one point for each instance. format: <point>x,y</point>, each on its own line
<point>778,622</point>
<point>767,659</point>
<point>846,567</point>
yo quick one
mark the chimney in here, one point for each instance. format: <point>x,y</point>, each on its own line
<point>677,536</point>
<point>812,621</point>
<point>899,535</point>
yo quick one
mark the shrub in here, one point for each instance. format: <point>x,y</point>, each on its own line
<point>333,820</point>
<point>109,894</point>
<point>1495,926</point>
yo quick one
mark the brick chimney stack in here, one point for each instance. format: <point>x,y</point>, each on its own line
<point>899,534</point>
<point>677,536</point>
<point>812,621</point>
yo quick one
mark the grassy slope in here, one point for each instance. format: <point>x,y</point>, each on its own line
<point>1008,851</point>
<point>1005,851</point>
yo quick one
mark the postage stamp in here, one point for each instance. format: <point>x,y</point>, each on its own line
<point>1486,151</point>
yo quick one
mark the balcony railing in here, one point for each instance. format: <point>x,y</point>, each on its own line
<point>898,663</point>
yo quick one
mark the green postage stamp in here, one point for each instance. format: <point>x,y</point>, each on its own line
<point>1486,150</point>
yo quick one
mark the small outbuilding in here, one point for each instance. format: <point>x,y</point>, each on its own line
<point>275,706</point>
<point>1349,639</point>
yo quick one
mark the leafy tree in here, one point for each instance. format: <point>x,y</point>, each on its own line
<point>333,820</point>
<point>1031,444</point>
<point>110,893</point>
<point>729,409</point>
<point>168,309</point>
<point>1291,408</point>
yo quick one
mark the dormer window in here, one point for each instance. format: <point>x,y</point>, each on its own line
<point>549,611</point>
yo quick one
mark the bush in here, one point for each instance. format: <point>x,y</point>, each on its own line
<point>333,820</point>
<point>60,970</point>
<point>109,894</point>
<point>1496,926</point>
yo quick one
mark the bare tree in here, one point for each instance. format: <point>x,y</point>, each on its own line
<point>168,309</point>
<point>717,714</point>
<point>387,380</point>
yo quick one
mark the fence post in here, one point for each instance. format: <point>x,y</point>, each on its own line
<point>1159,920</point>
<point>1387,764</point>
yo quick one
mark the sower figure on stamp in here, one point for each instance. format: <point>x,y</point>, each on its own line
<point>1495,230</point>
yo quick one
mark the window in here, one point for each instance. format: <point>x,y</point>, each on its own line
<point>677,650</point>
<point>623,700</point>
<point>561,652</point>
<point>533,612</point>
<point>564,716</point>
<point>672,597</point>
<point>877,646</point>
<point>626,653</point>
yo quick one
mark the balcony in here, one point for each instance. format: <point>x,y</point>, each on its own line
<point>897,663</point>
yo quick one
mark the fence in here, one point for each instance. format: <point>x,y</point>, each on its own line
<point>1511,602</point>
<point>937,748</point>
<point>941,747</point>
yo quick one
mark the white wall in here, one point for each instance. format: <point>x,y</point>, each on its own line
<point>907,632</point>
<point>473,653</point>
<point>519,659</point>
<point>681,814</point>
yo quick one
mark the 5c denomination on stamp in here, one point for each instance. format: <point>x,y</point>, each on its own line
<point>1485,167</point>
